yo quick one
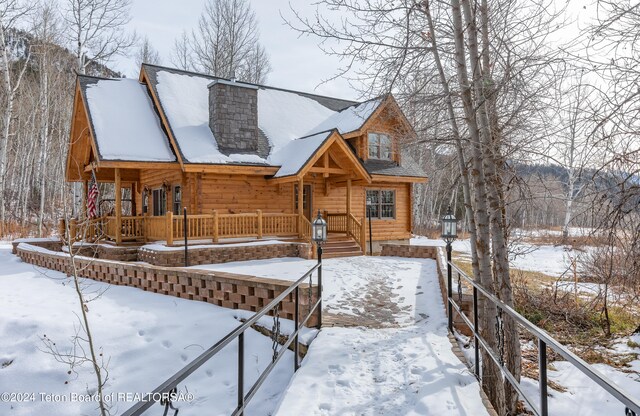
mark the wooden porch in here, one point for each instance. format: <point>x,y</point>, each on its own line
<point>215,227</point>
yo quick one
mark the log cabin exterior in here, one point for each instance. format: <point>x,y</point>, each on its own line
<point>236,155</point>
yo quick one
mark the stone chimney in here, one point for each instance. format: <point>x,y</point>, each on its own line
<point>233,116</point>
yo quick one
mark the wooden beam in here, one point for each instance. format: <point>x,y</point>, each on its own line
<point>172,140</point>
<point>136,165</point>
<point>348,203</point>
<point>85,193</point>
<point>327,171</point>
<point>232,169</point>
<point>285,179</point>
<point>326,164</point>
<point>118,190</point>
<point>300,205</point>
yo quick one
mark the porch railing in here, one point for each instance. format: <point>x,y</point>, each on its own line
<point>302,314</point>
<point>544,341</point>
<point>336,222</point>
<point>171,227</point>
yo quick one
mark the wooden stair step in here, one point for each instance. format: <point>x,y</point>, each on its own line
<point>341,249</point>
<point>342,254</point>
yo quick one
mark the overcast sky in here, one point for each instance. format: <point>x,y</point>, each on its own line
<point>297,63</point>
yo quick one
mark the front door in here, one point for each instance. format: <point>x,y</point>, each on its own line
<point>306,200</point>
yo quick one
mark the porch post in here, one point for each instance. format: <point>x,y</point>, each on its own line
<point>118,191</point>
<point>85,193</point>
<point>348,204</point>
<point>300,205</point>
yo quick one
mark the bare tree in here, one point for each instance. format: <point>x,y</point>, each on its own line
<point>226,42</point>
<point>12,75</point>
<point>47,34</point>
<point>147,53</point>
<point>181,55</point>
<point>482,68</point>
<point>96,29</point>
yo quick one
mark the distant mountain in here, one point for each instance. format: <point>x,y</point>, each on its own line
<point>22,43</point>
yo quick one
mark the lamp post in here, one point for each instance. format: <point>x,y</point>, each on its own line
<point>449,234</point>
<point>319,236</point>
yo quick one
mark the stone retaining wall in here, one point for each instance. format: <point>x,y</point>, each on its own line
<point>222,254</point>
<point>49,244</point>
<point>223,289</point>
<point>401,250</point>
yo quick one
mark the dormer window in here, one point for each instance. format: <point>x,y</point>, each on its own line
<point>380,146</point>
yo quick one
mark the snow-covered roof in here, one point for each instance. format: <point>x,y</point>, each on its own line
<point>295,154</point>
<point>349,119</point>
<point>283,116</point>
<point>124,121</point>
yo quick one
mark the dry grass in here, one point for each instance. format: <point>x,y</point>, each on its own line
<point>578,323</point>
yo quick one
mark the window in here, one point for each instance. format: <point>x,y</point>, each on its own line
<point>381,204</point>
<point>159,202</point>
<point>380,146</point>
<point>177,200</point>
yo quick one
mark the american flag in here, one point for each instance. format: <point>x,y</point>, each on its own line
<point>92,200</point>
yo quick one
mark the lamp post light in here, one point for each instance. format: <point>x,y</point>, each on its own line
<point>449,234</point>
<point>319,236</point>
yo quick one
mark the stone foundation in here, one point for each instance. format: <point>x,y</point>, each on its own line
<point>223,289</point>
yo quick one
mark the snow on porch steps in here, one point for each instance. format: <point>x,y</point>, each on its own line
<point>407,370</point>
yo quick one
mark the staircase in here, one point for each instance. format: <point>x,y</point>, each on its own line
<point>340,245</point>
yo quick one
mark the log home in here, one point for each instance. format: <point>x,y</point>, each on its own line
<point>246,160</point>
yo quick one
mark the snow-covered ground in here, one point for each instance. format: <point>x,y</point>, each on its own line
<point>548,259</point>
<point>145,336</point>
<point>583,396</point>
<point>407,368</point>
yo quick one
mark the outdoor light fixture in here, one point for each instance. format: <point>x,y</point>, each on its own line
<point>319,229</point>
<point>319,236</point>
<point>449,234</point>
<point>449,227</point>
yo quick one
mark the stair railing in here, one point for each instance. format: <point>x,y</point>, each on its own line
<point>166,392</point>
<point>356,230</point>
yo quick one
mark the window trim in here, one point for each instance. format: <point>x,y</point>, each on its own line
<point>379,145</point>
<point>380,204</point>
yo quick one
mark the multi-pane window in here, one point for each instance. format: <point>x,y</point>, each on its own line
<point>177,200</point>
<point>381,204</point>
<point>159,201</point>
<point>380,146</point>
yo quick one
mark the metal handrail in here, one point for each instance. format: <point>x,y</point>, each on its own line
<point>544,340</point>
<point>173,381</point>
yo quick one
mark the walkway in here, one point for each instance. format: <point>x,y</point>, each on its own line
<point>384,348</point>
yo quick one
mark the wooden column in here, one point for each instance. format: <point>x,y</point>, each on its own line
<point>118,191</point>
<point>348,204</point>
<point>214,213</point>
<point>85,194</point>
<point>259,215</point>
<point>300,205</point>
